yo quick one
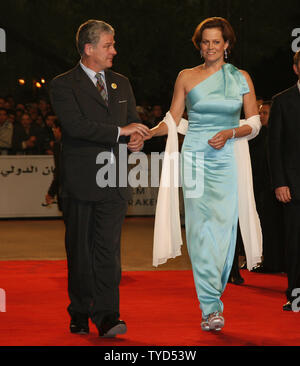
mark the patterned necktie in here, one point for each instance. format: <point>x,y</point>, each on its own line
<point>101,87</point>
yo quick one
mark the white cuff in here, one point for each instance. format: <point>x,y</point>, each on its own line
<point>254,123</point>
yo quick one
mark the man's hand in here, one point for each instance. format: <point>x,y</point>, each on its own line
<point>136,142</point>
<point>31,142</point>
<point>134,128</point>
<point>49,199</point>
<point>283,194</point>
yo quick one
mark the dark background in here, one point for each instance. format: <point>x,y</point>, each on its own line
<point>153,41</point>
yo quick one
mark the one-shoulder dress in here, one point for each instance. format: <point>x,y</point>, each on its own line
<point>210,183</point>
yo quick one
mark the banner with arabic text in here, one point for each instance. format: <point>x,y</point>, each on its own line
<point>24,183</point>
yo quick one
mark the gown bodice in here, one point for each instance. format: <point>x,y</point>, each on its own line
<point>215,103</point>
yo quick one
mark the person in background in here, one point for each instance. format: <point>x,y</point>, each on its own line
<point>284,152</point>
<point>54,190</point>
<point>144,117</point>
<point>48,134</point>
<point>27,138</point>
<point>44,107</point>
<point>20,109</point>
<point>259,101</point>
<point>10,102</point>
<point>157,143</point>
<point>6,132</point>
<point>2,102</point>
<point>268,208</point>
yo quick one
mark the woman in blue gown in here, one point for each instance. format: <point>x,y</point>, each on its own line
<point>213,93</point>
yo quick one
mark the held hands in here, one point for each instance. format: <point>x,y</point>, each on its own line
<point>283,194</point>
<point>220,139</point>
<point>134,128</point>
<point>138,134</point>
<point>136,142</point>
<point>142,133</point>
<point>149,136</point>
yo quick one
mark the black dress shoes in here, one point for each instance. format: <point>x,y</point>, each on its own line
<point>287,306</point>
<point>259,269</point>
<point>111,327</point>
<point>236,280</point>
<point>79,323</point>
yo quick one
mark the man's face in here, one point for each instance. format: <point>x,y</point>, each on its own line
<point>3,117</point>
<point>26,120</point>
<point>43,105</point>
<point>103,53</point>
<point>264,112</point>
<point>297,70</point>
<point>50,121</point>
<point>57,133</point>
<point>157,112</point>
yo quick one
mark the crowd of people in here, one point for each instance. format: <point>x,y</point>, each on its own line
<point>26,128</point>
<point>29,128</point>
<point>268,208</point>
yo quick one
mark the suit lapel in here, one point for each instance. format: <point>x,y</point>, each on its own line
<point>112,89</point>
<point>296,96</point>
<point>297,91</point>
<point>85,83</point>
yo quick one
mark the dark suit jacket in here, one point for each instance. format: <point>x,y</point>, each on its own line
<point>284,141</point>
<point>259,161</point>
<point>89,127</point>
<point>20,135</point>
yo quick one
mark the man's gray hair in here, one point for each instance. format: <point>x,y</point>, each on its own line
<point>90,32</point>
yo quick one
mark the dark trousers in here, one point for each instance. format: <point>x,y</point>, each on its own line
<point>270,212</point>
<point>292,244</point>
<point>239,250</point>
<point>93,232</point>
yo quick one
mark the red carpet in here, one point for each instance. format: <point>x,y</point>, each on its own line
<point>160,309</point>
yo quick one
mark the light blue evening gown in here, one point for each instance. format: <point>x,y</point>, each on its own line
<point>211,208</point>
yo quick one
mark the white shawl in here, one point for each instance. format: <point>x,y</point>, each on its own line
<point>167,228</point>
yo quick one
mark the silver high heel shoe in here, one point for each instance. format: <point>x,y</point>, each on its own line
<point>216,321</point>
<point>205,325</point>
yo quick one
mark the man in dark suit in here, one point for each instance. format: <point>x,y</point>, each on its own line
<point>268,208</point>
<point>284,149</point>
<point>27,137</point>
<point>97,110</point>
<point>55,186</point>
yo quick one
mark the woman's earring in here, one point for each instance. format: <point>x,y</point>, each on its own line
<point>201,54</point>
<point>225,54</point>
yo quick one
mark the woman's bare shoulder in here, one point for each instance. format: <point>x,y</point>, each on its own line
<point>189,73</point>
<point>245,74</point>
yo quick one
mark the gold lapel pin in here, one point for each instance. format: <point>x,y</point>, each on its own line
<point>114,86</point>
